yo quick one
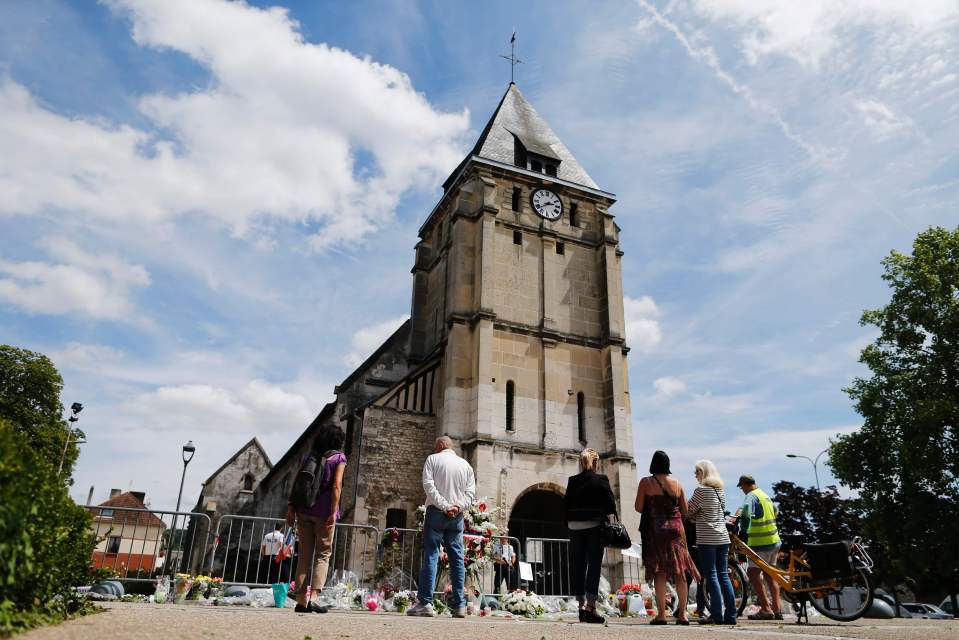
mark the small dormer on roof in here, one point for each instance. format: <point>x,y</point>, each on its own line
<point>517,135</point>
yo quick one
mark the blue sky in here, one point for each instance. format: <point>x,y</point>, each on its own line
<point>208,209</point>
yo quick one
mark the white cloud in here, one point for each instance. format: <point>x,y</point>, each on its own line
<point>256,407</point>
<point>368,339</point>
<point>881,120</point>
<point>809,30</point>
<point>668,386</point>
<point>285,129</point>
<point>642,327</point>
<point>96,285</point>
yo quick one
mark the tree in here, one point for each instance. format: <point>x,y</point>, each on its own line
<point>30,400</point>
<point>820,516</point>
<point>904,460</point>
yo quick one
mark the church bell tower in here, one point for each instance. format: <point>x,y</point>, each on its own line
<point>517,312</point>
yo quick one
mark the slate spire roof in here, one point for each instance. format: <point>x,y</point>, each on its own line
<point>516,119</point>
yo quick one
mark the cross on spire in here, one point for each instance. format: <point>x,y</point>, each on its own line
<point>513,60</point>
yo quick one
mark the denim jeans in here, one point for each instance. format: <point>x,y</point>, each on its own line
<point>714,559</point>
<point>437,530</point>
<point>586,558</point>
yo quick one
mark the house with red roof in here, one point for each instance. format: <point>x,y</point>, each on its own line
<point>130,542</point>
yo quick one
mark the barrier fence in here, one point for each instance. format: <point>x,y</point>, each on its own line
<point>142,544</point>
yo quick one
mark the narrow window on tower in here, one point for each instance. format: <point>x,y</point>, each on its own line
<point>517,237</point>
<point>573,215</point>
<point>560,248</point>
<point>510,396</point>
<point>581,416</point>
<point>517,192</point>
<point>535,165</point>
<point>551,169</point>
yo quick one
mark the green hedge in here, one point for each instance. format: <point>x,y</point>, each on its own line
<point>45,538</point>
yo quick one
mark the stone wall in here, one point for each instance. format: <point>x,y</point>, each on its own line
<point>395,445</point>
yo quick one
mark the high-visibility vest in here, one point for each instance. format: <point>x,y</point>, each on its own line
<point>762,531</point>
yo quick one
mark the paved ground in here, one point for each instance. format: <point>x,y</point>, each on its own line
<point>163,622</point>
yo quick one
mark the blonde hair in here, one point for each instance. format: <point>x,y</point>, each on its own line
<point>588,459</point>
<point>709,474</point>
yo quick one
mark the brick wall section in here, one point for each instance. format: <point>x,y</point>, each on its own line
<point>395,445</point>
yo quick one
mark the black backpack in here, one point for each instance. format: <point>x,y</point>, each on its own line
<point>307,484</point>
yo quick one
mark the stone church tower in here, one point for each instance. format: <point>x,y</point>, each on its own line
<point>515,346</point>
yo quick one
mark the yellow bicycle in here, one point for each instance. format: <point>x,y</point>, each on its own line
<point>834,577</point>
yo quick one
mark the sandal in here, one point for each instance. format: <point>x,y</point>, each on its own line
<point>657,621</point>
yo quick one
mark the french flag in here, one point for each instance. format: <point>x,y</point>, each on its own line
<point>287,549</point>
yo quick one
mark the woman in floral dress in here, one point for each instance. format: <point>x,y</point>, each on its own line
<point>661,500</point>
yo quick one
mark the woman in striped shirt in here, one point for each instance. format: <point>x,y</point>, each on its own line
<point>707,508</point>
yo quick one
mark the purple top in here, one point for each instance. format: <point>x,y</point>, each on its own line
<point>321,508</point>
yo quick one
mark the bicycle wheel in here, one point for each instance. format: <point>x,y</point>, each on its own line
<point>849,601</point>
<point>740,588</point>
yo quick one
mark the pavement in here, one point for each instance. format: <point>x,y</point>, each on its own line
<point>163,622</point>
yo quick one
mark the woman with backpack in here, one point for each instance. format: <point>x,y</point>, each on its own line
<point>315,506</point>
<point>661,500</point>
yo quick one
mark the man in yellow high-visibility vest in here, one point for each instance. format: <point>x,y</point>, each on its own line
<point>757,526</point>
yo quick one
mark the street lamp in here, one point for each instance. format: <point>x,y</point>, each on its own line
<point>75,409</point>
<point>814,463</point>
<point>188,450</point>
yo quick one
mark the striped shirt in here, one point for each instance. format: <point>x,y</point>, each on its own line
<point>706,508</point>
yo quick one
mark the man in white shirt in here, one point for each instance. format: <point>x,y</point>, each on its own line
<point>450,488</point>
<point>269,548</point>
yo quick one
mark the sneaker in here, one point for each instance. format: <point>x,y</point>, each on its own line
<point>422,610</point>
<point>762,615</point>
<point>705,620</point>
<point>459,613</point>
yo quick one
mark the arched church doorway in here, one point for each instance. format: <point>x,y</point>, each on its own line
<point>538,520</point>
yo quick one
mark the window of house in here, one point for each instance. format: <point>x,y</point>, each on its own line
<point>113,544</point>
<point>517,192</point>
<point>510,397</point>
<point>248,482</point>
<point>573,215</point>
<point>551,169</point>
<point>561,248</point>
<point>581,416</point>
<point>106,513</point>
<point>396,518</point>
<point>348,442</point>
<point>517,237</point>
<point>536,165</point>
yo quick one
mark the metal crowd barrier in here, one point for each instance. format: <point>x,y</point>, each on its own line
<point>237,556</point>
<point>239,559</point>
<point>549,558</point>
<point>399,560</point>
<point>141,544</point>
<point>500,577</point>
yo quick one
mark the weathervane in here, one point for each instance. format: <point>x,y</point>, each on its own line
<point>513,60</point>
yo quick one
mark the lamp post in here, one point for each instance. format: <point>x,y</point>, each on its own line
<point>75,409</point>
<point>188,450</point>
<point>814,463</point>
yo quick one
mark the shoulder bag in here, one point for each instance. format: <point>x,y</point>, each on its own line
<point>613,534</point>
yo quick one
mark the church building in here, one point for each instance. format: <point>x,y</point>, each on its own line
<point>515,347</point>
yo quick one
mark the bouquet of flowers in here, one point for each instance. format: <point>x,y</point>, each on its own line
<point>524,603</point>
<point>182,584</point>
<point>216,588</point>
<point>479,518</point>
<point>623,594</point>
<point>200,586</point>
<point>402,600</point>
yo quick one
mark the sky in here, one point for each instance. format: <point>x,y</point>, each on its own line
<point>208,209</point>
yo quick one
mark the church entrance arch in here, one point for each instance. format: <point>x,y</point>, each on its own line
<point>539,512</point>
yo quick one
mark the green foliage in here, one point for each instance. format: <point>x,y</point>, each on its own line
<point>905,459</point>
<point>30,400</point>
<point>821,516</point>
<point>45,539</point>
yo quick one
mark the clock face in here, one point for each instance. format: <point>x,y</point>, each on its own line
<point>547,204</point>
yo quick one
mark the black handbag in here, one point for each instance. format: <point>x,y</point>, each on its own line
<point>613,534</point>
